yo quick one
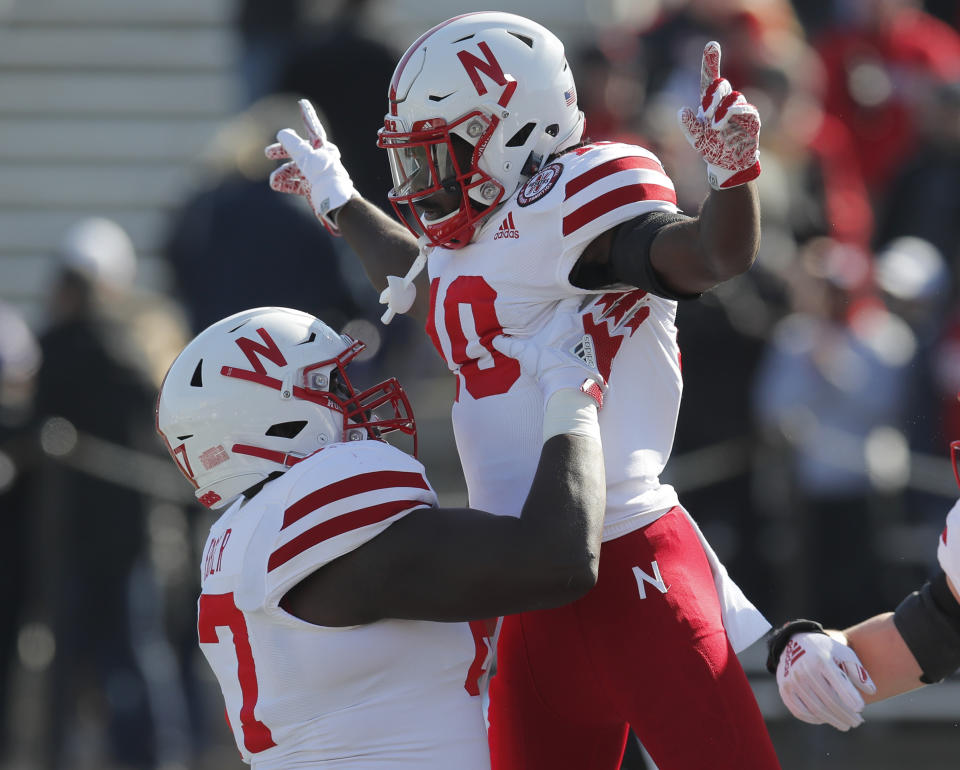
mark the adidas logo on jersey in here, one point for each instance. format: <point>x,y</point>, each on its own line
<point>583,350</point>
<point>507,228</point>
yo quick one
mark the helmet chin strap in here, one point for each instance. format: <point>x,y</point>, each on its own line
<point>401,292</point>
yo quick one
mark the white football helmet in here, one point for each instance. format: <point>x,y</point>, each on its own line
<point>259,391</point>
<point>476,105</point>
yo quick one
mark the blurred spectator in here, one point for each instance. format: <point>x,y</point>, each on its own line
<point>831,389</point>
<point>812,184</point>
<point>612,87</point>
<point>916,285</point>
<point>236,244</point>
<point>880,58</point>
<point>750,32</point>
<point>267,29</point>
<point>346,72</point>
<point>924,198</point>
<point>93,385</point>
<point>19,361</point>
<point>947,377</point>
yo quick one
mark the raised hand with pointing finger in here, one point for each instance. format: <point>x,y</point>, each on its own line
<point>314,168</point>
<point>725,129</point>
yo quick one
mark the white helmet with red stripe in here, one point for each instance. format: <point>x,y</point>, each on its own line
<point>476,105</point>
<point>259,391</point>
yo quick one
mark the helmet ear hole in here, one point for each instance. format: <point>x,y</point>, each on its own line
<point>197,380</point>
<point>525,39</point>
<point>286,429</point>
<point>520,138</point>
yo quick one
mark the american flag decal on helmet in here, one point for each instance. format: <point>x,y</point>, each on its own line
<point>571,95</point>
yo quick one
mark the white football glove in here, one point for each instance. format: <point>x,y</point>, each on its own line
<point>725,130</point>
<point>561,355</point>
<point>314,169</point>
<point>816,677</point>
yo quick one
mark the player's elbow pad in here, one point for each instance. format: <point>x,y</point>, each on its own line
<point>929,622</point>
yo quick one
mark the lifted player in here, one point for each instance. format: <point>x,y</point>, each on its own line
<point>524,222</point>
<point>332,552</point>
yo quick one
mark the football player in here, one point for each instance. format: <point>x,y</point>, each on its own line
<point>827,676</point>
<point>519,221</point>
<point>331,558</point>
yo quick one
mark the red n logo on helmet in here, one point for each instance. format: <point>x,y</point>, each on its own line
<point>253,350</point>
<point>489,67</point>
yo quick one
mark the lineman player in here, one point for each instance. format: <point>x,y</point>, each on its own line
<point>331,551</point>
<point>524,223</point>
<point>826,677</point>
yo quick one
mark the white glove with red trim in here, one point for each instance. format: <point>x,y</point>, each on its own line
<point>561,355</point>
<point>816,677</point>
<point>314,169</point>
<point>725,130</point>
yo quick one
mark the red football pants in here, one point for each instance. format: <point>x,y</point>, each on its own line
<point>571,680</point>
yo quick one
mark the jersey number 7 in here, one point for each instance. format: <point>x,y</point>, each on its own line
<point>219,611</point>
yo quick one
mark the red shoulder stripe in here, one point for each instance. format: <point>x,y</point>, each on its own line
<point>354,485</point>
<point>614,199</point>
<point>337,526</point>
<point>597,173</point>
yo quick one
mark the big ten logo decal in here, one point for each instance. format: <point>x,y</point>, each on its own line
<point>469,317</point>
<point>490,67</point>
<point>656,580</point>
<point>610,320</point>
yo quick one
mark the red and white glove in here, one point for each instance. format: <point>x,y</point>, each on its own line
<point>816,677</point>
<point>314,170</point>
<point>561,355</point>
<point>725,130</point>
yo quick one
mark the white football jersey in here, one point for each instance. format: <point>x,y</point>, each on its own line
<point>948,547</point>
<point>513,278</point>
<point>391,694</point>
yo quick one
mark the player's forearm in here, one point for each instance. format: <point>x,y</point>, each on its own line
<point>730,230</point>
<point>475,565</point>
<point>481,565</point>
<point>885,655</point>
<point>384,247</point>
<point>563,513</point>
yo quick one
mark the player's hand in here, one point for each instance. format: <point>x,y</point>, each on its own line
<point>314,168</point>
<point>561,355</point>
<point>816,677</point>
<point>725,130</point>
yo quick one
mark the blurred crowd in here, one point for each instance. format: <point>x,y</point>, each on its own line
<point>820,388</point>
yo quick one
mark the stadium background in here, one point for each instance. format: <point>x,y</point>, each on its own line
<point>146,113</point>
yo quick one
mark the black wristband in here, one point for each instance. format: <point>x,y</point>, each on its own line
<point>778,638</point>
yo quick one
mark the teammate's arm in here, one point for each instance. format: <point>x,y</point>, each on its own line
<point>314,170</point>
<point>885,655</point>
<point>918,644</point>
<point>384,247</point>
<point>676,256</point>
<point>464,564</point>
